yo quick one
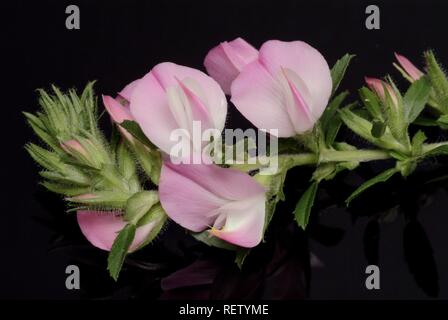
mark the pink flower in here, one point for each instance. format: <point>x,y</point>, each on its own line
<point>172,97</point>
<point>378,86</point>
<point>225,61</point>
<point>101,228</point>
<point>227,202</point>
<point>287,88</point>
<point>408,67</point>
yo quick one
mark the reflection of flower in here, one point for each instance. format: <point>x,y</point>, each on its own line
<point>275,270</point>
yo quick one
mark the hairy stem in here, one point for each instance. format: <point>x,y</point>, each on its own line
<point>288,161</point>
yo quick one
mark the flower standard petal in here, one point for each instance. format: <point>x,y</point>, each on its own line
<point>225,61</point>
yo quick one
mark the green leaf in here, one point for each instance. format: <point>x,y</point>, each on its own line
<point>330,121</point>
<point>134,129</point>
<point>378,128</point>
<point>157,216</point>
<point>416,98</point>
<point>139,204</point>
<point>338,70</point>
<point>126,163</point>
<point>104,199</point>
<point>425,121</point>
<point>438,80</point>
<point>371,103</point>
<point>119,250</point>
<point>304,206</point>
<point>382,177</point>
<point>332,109</point>
<point>443,119</point>
<point>417,143</point>
<point>212,241</point>
<point>395,113</point>
<point>357,124</point>
<point>333,130</point>
<point>439,151</point>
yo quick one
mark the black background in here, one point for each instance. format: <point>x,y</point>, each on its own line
<point>120,41</point>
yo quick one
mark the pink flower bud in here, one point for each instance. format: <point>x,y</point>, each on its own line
<point>378,86</point>
<point>412,71</point>
<point>70,145</point>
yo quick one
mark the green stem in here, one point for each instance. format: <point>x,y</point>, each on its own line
<point>355,155</point>
<point>431,146</point>
<point>288,161</point>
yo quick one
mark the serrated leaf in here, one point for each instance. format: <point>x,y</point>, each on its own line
<point>415,99</point>
<point>339,69</point>
<point>304,205</point>
<point>382,177</point>
<point>119,250</point>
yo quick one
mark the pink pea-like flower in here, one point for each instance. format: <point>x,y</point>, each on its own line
<point>287,88</point>
<point>228,203</point>
<point>173,97</point>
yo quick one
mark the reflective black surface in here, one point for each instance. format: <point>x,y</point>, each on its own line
<point>399,225</point>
